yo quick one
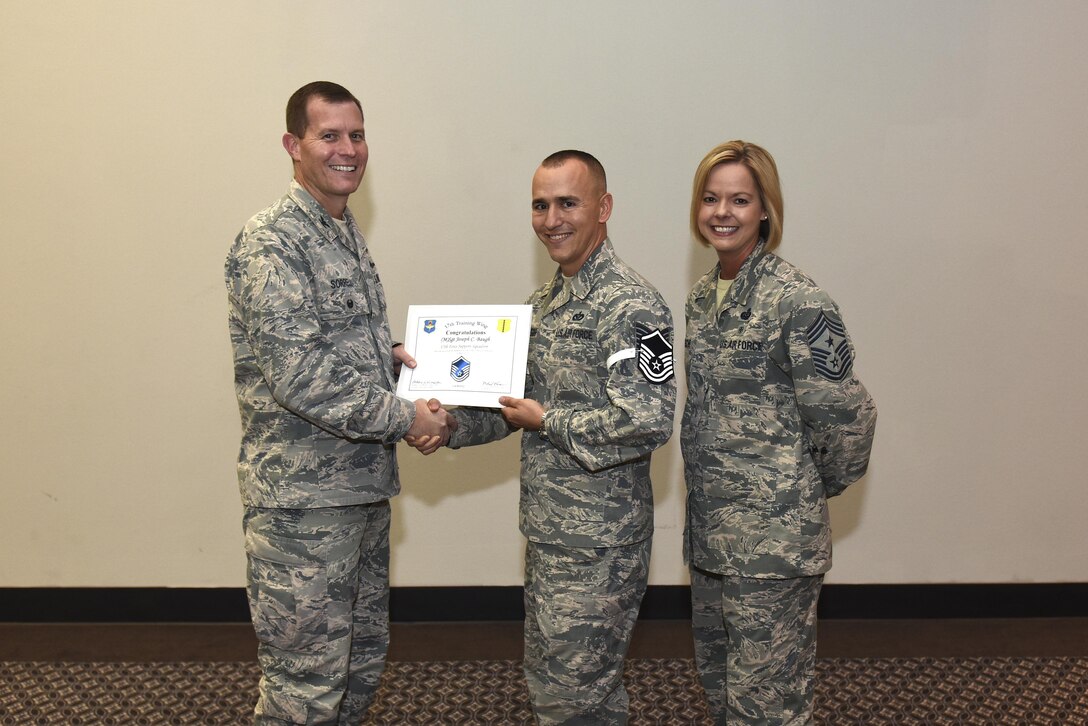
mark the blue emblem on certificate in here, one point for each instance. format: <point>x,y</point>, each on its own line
<point>459,369</point>
<point>428,325</point>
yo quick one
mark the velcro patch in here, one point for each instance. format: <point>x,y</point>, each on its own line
<point>654,355</point>
<point>831,352</point>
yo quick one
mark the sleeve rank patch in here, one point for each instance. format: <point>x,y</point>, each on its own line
<point>654,355</point>
<point>831,353</point>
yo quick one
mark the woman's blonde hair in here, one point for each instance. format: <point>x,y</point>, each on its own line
<point>765,173</point>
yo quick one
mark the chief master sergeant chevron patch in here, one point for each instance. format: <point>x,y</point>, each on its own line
<point>831,352</point>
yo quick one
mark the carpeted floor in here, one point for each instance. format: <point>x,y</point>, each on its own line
<point>1051,691</point>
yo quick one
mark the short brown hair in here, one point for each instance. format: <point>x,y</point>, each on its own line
<point>596,169</point>
<point>297,120</point>
<point>765,173</point>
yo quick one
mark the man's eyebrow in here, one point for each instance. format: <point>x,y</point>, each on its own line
<point>559,200</point>
<point>332,130</point>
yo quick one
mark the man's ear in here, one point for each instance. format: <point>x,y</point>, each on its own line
<point>290,142</point>
<point>606,208</point>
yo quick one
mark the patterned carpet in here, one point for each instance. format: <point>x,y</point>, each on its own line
<point>1051,691</point>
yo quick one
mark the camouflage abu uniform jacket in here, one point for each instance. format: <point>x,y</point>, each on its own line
<point>587,484</point>
<point>313,362</point>
<point>775,422</point>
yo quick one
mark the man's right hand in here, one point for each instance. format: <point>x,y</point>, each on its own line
<point>431,428</point>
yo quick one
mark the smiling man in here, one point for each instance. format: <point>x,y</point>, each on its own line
<point>315,374</point>
<point>599,399</point>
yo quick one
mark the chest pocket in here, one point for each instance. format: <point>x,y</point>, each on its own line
<point>740,359</point>
<point>735,365</point>
<point>572,359</point>
<point>338,304</point>
<point>741,346</point>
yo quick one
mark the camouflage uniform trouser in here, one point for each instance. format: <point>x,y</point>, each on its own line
<point>580,608</point>
<point>319,600</point>
<point>755,646</point>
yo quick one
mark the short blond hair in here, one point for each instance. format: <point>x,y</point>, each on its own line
<point>765,173</point>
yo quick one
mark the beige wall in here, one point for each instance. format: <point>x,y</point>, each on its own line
<point>934,162</point>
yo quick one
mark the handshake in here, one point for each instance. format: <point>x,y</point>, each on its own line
<point>431,428</point>
<point>433,424</point>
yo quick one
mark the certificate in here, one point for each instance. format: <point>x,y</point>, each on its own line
<point>466,355</point>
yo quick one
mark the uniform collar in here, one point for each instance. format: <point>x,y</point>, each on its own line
<point>599,259</point>
<point>319,215</point>
<point>581,284</point>
<point>743,283</point>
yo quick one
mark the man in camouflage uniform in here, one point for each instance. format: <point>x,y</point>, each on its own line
<point>314,369</point>
<point>774,423</point>
<point>600,394</point>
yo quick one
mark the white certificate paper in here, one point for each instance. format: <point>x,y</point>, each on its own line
<point>466,355</point>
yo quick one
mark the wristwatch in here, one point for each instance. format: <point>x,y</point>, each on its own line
<point>543,430</point>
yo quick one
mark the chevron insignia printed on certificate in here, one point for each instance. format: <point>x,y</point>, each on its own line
<point>466,355</point>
